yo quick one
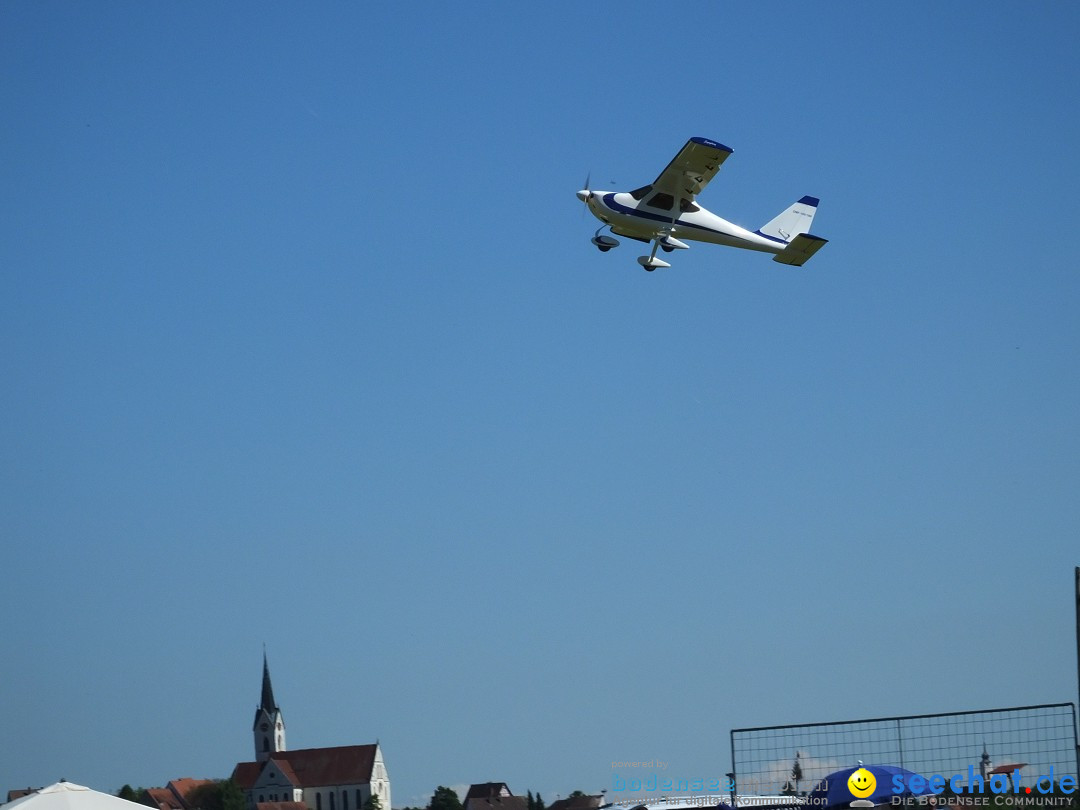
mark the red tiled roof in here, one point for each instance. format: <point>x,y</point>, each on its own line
<point>182,787</point>
<point>18,793</point>
<point>1008,768</point>
<point>164,799</point>
<point>314,767</point>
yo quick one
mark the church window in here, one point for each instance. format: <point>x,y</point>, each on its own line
<point>266,743</point>
<point>359,801</point>
<point>318,801</point>
<point>344,800</point>
<point>331,800</point>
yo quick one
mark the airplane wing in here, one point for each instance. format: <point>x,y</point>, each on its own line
<point>692,169</point>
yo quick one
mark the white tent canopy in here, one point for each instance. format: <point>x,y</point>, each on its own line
<point>69,796</point>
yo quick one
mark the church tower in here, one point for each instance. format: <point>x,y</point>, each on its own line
<point>269,727</point>
<point>985,766</point>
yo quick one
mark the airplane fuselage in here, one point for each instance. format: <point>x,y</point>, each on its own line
<point>635,219</point>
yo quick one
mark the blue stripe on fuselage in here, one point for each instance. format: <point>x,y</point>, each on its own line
<point>609,201</point>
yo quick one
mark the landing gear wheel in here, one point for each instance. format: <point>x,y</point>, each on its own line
<point>604,242</point>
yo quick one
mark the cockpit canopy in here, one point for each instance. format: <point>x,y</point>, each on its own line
<point>662,200</point>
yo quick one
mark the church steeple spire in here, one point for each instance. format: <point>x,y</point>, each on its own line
<point>269,726</point>
<point>268,704</point>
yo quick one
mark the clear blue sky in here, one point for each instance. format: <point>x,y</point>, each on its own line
<point>303,343</point>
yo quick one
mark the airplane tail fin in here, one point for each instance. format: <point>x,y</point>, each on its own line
<point>792,222</point>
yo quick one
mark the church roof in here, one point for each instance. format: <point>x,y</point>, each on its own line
<point>245,774</point>
<point>314,767</point>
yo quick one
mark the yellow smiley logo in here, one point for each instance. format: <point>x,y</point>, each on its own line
<point>861,783</point>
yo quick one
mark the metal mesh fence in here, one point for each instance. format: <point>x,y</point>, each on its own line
<point>1038,737</point>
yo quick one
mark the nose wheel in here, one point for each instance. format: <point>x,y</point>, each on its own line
<point>603,242</point>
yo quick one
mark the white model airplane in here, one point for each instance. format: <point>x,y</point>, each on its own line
<point>665,213</point>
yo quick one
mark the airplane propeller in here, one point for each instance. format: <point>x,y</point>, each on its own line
<point>585,194</point>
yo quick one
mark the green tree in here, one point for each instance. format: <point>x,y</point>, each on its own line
<point>232,797</point>
<point>127,793</point>
<point>205,797</point>
<point>373,802</point>
<point>221,794</point>
<point>444,798</point>
<point>539,802</point>
<point>137,795</point>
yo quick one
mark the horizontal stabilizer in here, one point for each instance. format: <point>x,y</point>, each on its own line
<point>801,248</point>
